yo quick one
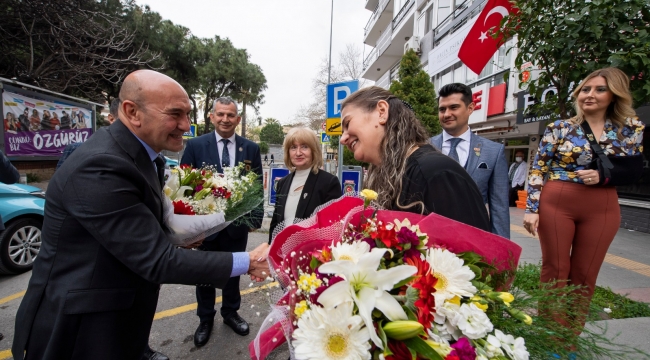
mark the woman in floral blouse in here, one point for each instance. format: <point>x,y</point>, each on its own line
<point>576,218</point>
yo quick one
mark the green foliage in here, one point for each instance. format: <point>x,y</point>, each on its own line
<point>32,178</point>
<point>264,147</point>
<point>568,39</point>
<point>415,87</point>
<point>545,335</point>
<point>348,156</point>
<point>272,132</point>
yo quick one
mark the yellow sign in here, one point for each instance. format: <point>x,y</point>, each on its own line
<point>333,126</point>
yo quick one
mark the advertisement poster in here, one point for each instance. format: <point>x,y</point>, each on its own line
<point>42,128</point>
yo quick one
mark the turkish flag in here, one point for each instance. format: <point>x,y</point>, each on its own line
<point>479,46</point>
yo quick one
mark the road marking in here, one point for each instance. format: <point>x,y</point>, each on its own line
<point>190,307</point>
<point>12,297</point>
<point>637,267</point>
<point>521,230</point>
<point>621,262</point>
<point>6,354</point>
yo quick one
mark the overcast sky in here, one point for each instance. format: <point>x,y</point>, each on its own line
<point>286,38</point>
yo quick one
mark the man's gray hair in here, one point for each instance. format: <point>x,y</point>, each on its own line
<point>225,100</point>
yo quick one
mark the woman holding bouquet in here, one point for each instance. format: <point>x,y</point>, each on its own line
<point>577,217</point>
<point>406,171</point>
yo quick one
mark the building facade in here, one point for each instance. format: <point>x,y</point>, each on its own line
<point>435,29</point>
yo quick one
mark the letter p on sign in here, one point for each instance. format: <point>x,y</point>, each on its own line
<point>336,94</point>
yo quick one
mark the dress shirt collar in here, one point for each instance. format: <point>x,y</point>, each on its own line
<point>152,154</point>
<point>467,136</point>
<point>232,138</point>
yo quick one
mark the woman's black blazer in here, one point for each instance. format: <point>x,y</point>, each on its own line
<point>319,189</point>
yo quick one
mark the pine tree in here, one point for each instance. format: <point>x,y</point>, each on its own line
<point>415,87</point>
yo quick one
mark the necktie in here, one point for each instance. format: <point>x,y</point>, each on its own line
<point>160,168</point>
<point>225,155</point>
<point>513,170</point>
<point>452,151</point>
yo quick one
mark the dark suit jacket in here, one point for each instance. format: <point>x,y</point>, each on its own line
<point>486,164</point>
<point>203,150</point>
<point>319,189</point>
<point>94,287</point>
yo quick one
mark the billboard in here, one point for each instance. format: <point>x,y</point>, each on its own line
<point>34,127</point>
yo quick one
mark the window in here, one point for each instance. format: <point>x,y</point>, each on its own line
<point>429,16</point>
<point>446,78</point>
<point>459,73</point>
<point>444,9</point>
<point>422,25</point>
<point>471,76</point>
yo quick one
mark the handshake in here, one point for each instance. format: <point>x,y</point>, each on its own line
<point>259,267</point>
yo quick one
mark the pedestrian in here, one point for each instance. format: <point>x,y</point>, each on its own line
<point>266,159</point>
<point>272,159</point>
<point>517,176</point>
<point>576,215</point>
<point>407,172</point>
<point>105,250</point>
<point>223,148</point>
<point>483,159</point>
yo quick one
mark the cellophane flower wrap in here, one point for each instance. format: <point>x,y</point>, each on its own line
<point>362,283</point>
<point>200,202</point>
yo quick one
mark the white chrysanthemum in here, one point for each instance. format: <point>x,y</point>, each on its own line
<point>472,321</point>
<point>443,327</point>
<point>454,278</point>
<point>515,348</point>
<point>350,251</point>
<point>331,334</point>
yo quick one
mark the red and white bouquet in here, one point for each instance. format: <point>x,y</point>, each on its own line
<point>361,283</point>
<point>201,202</point>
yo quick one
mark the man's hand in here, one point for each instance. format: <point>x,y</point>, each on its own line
<point>260,253</point>
<point>258,270</point>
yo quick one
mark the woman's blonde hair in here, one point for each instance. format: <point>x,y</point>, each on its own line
<point>403,131</point>
<point>621,107</point>
<point>303,135</point>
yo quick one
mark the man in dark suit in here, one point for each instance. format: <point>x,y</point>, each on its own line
<point>105,252</point>
<point>483,159</point>
<point>223,148</point>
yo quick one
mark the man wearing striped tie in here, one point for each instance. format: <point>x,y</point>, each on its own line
<point>483,159</point>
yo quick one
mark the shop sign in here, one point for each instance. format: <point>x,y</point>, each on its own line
<point>481,98</point>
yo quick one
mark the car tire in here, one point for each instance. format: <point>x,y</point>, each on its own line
<point>20,243</point>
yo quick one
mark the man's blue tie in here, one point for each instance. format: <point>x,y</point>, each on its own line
<point>225,155</point>
<point>452,150</point>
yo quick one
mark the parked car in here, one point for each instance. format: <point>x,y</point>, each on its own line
<point>21,207</point>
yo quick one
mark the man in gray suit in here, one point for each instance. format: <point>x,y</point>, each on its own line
<point>105,252</point>
<point>483,159</point>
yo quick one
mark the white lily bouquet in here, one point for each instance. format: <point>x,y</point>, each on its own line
<point>202,202</point>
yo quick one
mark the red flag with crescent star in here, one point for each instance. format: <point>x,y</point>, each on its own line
<point>479,46</point>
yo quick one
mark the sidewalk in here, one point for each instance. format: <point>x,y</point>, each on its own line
<point>626,271</point>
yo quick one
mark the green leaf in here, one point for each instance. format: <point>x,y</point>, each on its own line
<point>403,282</point>
<point>383,337</point>
<point>422,348</point>
<point>409,313</point>
<point>476,270</point>
<point>314,263</point>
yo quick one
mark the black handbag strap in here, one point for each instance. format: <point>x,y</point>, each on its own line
<point>595,146</point>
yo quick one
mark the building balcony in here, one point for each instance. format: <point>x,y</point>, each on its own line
<point>380,18</point>
<point>371,4</point>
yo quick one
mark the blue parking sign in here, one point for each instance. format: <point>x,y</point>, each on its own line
<point>336,93</point>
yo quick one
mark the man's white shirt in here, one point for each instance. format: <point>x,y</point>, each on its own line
<point>520,174</point>
<point>231,147</point>
<point>462,148</point>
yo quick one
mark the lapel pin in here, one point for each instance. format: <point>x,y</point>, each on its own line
<point>304,196</point>
<point>241,149</point>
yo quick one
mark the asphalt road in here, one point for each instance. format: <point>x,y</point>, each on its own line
<point>173,331</point>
